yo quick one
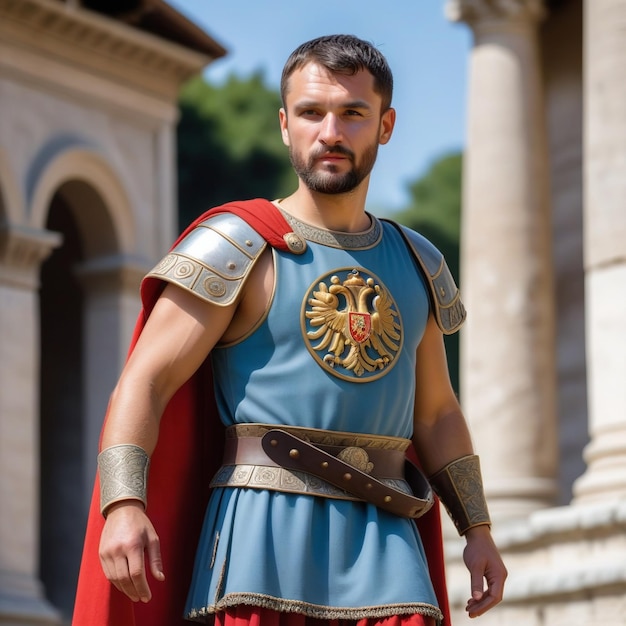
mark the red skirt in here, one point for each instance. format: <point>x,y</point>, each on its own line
<point>254,616</point>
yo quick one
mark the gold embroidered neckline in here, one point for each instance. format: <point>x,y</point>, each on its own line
<point>335,239</point>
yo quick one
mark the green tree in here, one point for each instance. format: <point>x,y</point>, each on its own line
<point>229,145</point>
<point>435,212</point>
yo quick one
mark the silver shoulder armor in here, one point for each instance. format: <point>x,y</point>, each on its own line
<point>214,259</point>
<point>447,306</point>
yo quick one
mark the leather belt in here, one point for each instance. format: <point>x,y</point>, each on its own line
<point>379,463</point>
<point>369,474</point>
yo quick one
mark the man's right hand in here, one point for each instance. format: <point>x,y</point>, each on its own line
<point>127,537</point>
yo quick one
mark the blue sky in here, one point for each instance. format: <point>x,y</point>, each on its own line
<point>427,54</point>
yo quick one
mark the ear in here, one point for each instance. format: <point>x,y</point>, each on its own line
<point>387,122</point>
<point>284,131</point>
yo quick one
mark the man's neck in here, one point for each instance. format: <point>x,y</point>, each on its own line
<point>338,212</point>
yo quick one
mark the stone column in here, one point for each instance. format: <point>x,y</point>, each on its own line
<point>21,596</point>
<point>605,250</point>
<point>507,347</point>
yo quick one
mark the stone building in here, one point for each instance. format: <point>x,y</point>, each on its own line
<point>88,108</point>
<point>87,203</point>
<point>544,279</point>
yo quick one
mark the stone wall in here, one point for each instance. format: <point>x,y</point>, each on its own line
<point>87,173</point>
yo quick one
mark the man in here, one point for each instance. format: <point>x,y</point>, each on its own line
<point>327,356</point>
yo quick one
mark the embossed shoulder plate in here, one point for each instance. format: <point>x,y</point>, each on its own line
<point>445,297</point>
<point>351,325</point>
<point>214,259</point>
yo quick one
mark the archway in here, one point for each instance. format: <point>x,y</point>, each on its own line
<point>80,215</point>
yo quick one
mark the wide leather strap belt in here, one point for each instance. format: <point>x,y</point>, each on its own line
<point>378,476</point>
<point>378,463</point>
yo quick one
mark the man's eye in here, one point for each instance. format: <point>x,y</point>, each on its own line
<point>352,112</point>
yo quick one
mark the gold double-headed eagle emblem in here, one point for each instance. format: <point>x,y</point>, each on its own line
<point>352,325</point>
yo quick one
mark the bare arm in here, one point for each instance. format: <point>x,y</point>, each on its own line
<point>179,334</point>
<point>440,431</point>
<point>441,436</point>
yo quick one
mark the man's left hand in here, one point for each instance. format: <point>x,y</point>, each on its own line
<point>485,565</point>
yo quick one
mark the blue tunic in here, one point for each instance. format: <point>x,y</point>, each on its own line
<point>326,558</point>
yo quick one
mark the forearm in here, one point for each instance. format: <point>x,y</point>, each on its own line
<point>129,437</point>
<point>133,416</point>
<point>447,456</point>
<point>442,439</point>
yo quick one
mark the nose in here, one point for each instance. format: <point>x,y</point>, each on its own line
<point>330,130</point>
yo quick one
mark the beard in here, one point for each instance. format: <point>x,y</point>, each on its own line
<point>330,181</point>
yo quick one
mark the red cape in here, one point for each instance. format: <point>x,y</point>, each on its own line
<point>180,472</point>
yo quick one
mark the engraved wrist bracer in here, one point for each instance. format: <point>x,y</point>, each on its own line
<point>123,473</point>
<point>459,486</point>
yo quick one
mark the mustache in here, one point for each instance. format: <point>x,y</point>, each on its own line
<point>335,150</point>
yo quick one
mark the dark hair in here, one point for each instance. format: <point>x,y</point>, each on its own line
<point>342,54</point>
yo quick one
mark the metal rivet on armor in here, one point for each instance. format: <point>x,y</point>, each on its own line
<point>368,486</point>
<point>248,243</point>
<point>347,476</point>
<point>387,498</point>
<point>294,454</point>
<point>442,291</point>
<point>295,243</point>
<point>231,265</point>
<point>325,464</point>
<point>273,443</point>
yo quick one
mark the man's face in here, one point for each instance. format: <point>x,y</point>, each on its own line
<point>333,127</point>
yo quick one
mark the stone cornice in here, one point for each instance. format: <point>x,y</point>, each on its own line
<point>476,11</point>
<point>558,553</point>
<point>113,273</point>
<point>99,44</point>
<point>22,249</point>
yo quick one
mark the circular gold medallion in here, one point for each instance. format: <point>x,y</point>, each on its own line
<point>351,325</point>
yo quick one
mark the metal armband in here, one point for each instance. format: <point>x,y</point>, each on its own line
<point>459,486</point>
<point>123,471</point>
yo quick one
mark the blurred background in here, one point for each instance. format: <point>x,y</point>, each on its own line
<point>121,120</point>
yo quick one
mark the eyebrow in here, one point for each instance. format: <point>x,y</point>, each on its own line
<point>353,104</point>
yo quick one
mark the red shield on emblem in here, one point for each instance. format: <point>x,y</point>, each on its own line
<point>360,326</point>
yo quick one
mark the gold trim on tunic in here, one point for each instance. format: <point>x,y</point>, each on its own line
<point>283,605</point>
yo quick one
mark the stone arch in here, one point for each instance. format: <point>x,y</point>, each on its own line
<point>89,173</point>
<point>11,200</point>
<point>88,299</point>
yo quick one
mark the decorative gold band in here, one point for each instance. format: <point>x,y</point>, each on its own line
<point>289,481</point>
<point>319,436</point>
<point>459,486</point>
<point>123,471</point>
